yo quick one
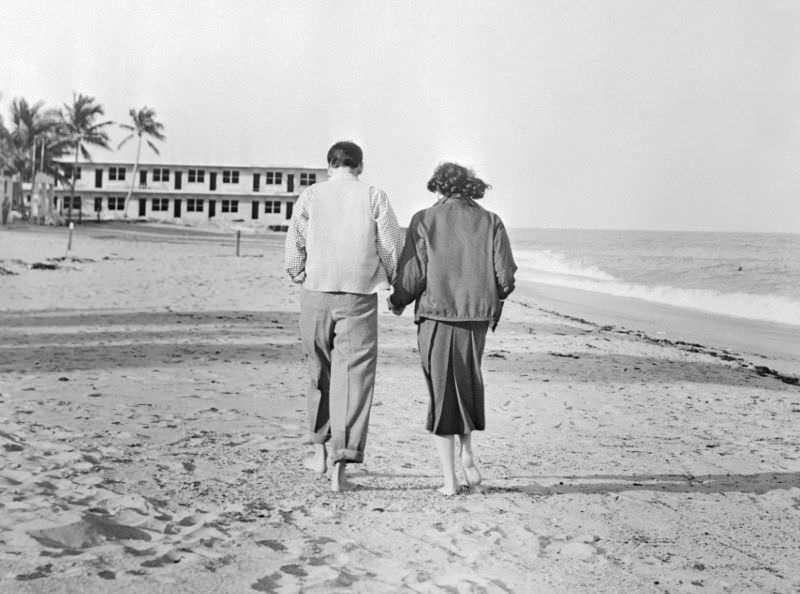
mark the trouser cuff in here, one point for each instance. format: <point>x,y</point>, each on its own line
<point>318,438</point>
<point>347,455</point>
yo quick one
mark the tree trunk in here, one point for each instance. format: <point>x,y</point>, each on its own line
<point>72,184</point>
<point>133,177</point>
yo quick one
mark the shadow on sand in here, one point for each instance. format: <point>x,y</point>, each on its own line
<point>604,484</point>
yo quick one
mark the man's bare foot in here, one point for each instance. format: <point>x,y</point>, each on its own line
<point>338,480</point>
<point>319,461</point>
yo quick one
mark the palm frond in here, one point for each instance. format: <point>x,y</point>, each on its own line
<point>152,146</point>
<point>100,125</point>
<point>146,124</point>
<point>124,141</point>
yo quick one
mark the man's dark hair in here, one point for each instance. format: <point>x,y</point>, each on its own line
<point>345,154</point>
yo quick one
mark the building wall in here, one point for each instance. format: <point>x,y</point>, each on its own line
<point>10,197</point>
<point>42,199</point>
<point>5,198</point>
<point>102,187</point>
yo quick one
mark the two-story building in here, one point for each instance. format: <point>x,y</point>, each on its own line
<point>188,193</point>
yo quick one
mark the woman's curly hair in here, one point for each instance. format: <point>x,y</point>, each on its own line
<point>452,179</point>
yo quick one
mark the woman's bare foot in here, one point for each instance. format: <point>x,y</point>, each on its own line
<point>473,478</point>
<point>448,491</point>
<point>444,446</point>
<point>471,472</point>
<point>319,461</point>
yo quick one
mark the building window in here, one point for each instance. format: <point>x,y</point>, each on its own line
<point>194,205</point>
<point>230,206</point>
<point>272,206</point>
<point>197,176</point>
<point>70,169</point>
<point>116,173</point>
<point>307,179</point>
<point>160,204</point>
<point>273,178</point>
<point>230,176</point>
<point>116,203</point>
<point>73,202</point>
<point>160,174</point>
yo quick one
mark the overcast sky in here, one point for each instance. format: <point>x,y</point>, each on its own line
<point>627,114</point>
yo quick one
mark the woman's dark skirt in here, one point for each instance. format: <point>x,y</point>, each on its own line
<point>451,354</point>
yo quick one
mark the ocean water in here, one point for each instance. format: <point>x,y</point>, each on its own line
<point>746,275</point>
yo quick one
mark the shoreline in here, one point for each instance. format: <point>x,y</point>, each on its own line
<point>773,344</point>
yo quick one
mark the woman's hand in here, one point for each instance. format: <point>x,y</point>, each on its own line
<point>398,311</point>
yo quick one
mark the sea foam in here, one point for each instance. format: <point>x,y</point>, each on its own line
<point>552,268</point>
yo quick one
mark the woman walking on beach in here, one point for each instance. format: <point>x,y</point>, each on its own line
<point>457,266</point>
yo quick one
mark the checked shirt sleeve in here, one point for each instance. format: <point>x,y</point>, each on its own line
<point>295,248</point>
<point>389,239</point>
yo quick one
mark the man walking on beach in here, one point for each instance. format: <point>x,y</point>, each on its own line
<point>342,245</point>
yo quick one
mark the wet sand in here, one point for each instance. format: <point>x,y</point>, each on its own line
<point>152,429</point>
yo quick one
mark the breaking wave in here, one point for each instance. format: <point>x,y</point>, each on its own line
<point>552,268</point>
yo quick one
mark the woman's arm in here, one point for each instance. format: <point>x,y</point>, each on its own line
<point>504,265</point>
<point>412,267</point>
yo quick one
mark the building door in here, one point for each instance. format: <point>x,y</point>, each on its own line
<point>289,208</point>
<point>212,181</point>
<point>178,176</point>
<point>142,207</point>
<point>256,183</point>
<point>177,208</point>
<point>98,178</point>
<point>290,182</point>
<point>143,178</point>
<point>212,208</point>
<point>254,209</point>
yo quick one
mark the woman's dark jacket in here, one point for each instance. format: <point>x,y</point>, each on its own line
<point>456,263</point>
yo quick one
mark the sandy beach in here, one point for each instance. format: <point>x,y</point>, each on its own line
<point>152,426</point>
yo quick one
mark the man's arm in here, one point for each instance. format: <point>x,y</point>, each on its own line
<point>389,237</point>
<point>295,248</point>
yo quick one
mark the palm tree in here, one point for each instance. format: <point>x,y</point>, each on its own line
<point>144,125</point>
<point>80,127</point>
<point>33,128</point>
<point>5,147</point>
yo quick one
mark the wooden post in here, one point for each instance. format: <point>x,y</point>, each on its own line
<point>238,238</point>
<point>69,241</point>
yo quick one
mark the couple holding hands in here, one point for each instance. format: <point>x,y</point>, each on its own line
<point>343,245</point>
